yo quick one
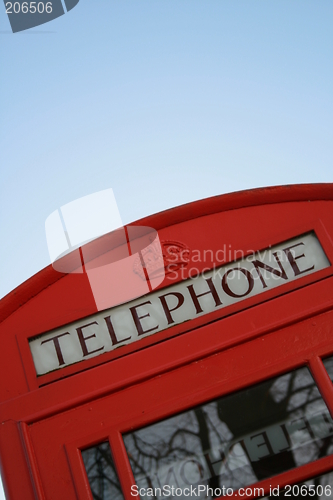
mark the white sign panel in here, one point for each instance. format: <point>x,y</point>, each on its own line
<point>191,298</point>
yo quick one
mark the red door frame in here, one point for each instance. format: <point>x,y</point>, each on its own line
<point>182,389</point>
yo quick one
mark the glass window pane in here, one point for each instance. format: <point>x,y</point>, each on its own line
<point>101,472</point>
<point>236,440</point>
<point>328,363</point>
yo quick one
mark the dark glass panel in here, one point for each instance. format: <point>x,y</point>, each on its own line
<point>101,472</point>
<point>235,441</point>
<point>328,363</point>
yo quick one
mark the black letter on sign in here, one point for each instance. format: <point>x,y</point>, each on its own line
<point>57,347</point>
<point>166,308</point>
<point>211,290</point>
<point>83,339</point>
<point>246,273</point>
<point>137,318</point>
<point>112,333</point>
<point>293,262</point>
<point>257,264</point>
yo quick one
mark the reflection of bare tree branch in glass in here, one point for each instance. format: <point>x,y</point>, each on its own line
<point>203,434</point>
<point>101,473</point>
<point>237,440</point>
<point>255,409</point>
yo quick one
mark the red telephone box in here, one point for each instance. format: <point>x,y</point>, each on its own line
<point>215,383</point>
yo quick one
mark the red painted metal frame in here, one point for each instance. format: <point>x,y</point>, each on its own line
<point>45,419</point>
<point>323,230</point>
<point>185,387</point>
<point>223,203</point>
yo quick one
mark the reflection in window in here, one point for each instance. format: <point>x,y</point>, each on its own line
<point>236,440</point>
<point>328,363</point>
<point>101,472</point>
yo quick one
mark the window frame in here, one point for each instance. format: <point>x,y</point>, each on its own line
<point>184,388</point>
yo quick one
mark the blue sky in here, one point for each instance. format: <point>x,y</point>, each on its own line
<point>165,101</point>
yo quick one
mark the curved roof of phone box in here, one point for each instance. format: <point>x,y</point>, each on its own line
<point>222,203</point>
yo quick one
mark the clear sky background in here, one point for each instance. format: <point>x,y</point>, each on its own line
<point>165,101</point>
